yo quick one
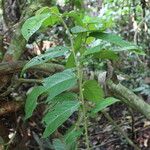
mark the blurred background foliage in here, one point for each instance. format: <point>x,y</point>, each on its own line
<point>128,18</point>
<point>131,20</point>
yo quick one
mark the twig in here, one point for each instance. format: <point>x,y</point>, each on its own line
<point>120,130</point>
<point>21,80</point>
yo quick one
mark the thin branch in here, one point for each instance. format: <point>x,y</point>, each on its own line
<point>120,130</point>
<point>22,80</point>
<point>9,68</point>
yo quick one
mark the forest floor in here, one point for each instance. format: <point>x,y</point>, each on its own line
<point>103,136</point>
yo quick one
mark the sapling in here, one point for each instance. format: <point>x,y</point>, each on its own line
<point>60,101</point>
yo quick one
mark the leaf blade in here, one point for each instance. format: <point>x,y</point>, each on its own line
<point>78,29</point>
<point>92,91</point>
<point>71,137</point>
<point>58,116</point>
<point>59,83</point>
<point>104,103</point>
<point>31,101</point>
<point>33,24</point>
<point>58,144</point>
<point>44,58</point>
<point>112,38</point>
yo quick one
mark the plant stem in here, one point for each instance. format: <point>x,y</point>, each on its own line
<point>84,111</point>
<point>29,80</point>
<point>80,83</point>
<point>132,122</point>
<point>71,41</point>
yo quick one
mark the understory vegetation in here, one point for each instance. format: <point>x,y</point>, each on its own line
<point>75,75</point>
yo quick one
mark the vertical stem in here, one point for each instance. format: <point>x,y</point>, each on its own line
<point>80,83</point>
<point>71,41</point>
<point>132,123</point>
<point>84,111</point>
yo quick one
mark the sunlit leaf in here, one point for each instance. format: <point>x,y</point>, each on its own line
<point>91,20</point>
<point>89,40</point>
<point>43,10</point>
<point>51,20</point>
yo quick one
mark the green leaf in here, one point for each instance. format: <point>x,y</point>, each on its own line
<point>58,48</point>
<point>93,50</point>
<point>43,10</point>
<point>107,54</point>
<point>100,52</point>
<point>59,83</point>
<point>54,85</point>
<point>89,40</point>
<point>59,78</point>
<point>53,19</point>
<point>54,10</point>
<point>70,61</point>
<point>133,48</point>
<point>97,23</point>
<point>112,38</point>
<point>91,20</point>
<point>79,40</point>
<point>33,24</point>
<point>61,87</point>
<point>71,138</point>
<point>102,104</point>
<point>31,101</point>
<point>46,9</point>
<point>92,91</point>
<point>64,97</point>
<point>58,144</point>
<point>44,58</point>
<point>138,51</point>
<point>61,112</point>
<point>78,29</point>
<point>76,15</point>
<point>127,48</point>
<point>117,40</point>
